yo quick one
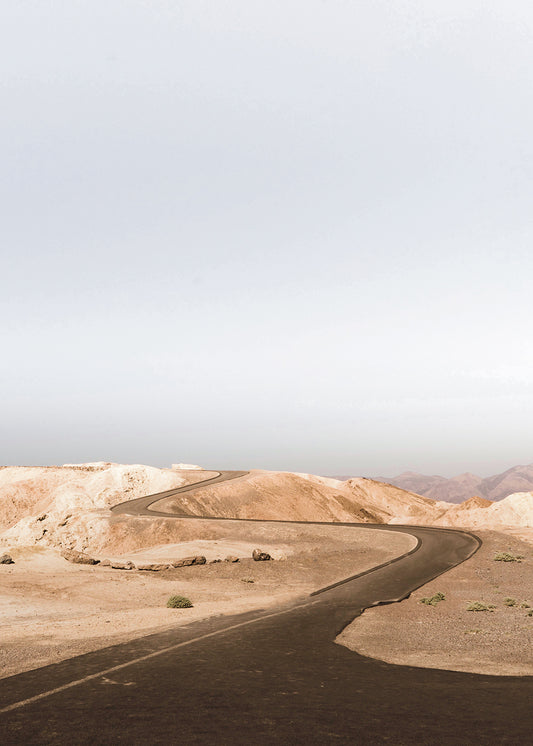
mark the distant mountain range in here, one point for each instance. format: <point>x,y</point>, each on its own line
<point>464,486</point>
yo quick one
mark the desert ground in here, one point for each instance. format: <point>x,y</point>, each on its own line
<point>447,635</point>
<point>52,609</point>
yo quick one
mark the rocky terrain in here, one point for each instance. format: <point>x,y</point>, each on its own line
<point>57,506</point>
<point>68,507</point>
<point>460,488</point>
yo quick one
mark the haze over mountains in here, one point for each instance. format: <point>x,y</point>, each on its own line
<point>460,488</point>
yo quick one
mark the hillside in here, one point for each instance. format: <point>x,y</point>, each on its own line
<point>513,511</point>
<point>68,507</point>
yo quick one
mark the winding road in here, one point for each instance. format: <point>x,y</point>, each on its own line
<point>271,677</point>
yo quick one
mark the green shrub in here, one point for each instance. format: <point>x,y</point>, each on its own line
<point>433,600</point>
<point>507,557</point>
<point>479,606</point>
<point>510,602</point>
<point>178,602</point>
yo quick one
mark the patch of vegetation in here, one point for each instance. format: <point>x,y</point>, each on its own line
<point>178,602</point>
<point>480,606</point>
<point>507,557</point>
<point>247,580</point>
<point>525,605</point>
<point>433,600</point>
<point>510,601</point>
<point>530,612</point>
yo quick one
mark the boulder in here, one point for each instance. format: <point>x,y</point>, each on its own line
<point>105,563</point>
<point>6,559</point>
<point>231,558</point>
<point>79,558</point>
<point>187,561</point>
<point>260,556</point>
<point>153,567</point>
<point>123,565</point>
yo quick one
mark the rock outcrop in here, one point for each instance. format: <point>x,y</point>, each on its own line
<point>260,556</point>
<point>188,561</point>
<point>78,558</point>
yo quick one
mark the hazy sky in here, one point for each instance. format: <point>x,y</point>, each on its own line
<point>286,235</point>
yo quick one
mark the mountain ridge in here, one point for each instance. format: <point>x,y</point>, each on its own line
<point>464,486</point>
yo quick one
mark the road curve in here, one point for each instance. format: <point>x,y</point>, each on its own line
<point>458,545</point>
<point>272,677</point>
<point>141,506</point>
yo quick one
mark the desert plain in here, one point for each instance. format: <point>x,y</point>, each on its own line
<point>52,608</point>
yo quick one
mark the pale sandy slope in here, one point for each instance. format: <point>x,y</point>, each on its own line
<point>57,506</point>
<point>513,511</point>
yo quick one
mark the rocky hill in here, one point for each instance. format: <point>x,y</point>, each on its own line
<point>68,507</point>
<point>460,488</point>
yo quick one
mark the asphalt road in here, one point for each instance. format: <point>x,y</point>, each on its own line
<point>141,506</point>
<point>272,677</point>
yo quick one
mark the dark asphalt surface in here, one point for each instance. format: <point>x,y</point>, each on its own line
<point>273,677</point>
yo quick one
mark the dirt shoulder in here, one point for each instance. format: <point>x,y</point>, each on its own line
<point>447,635</point>
<point>51,609</point>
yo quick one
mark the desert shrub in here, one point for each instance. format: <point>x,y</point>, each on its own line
<point>510,602</point>
<point>433,600</point>
<point>480,606</point>
<point>507,557</point>
<point>247,580</point>
<point>525,605</point>
<point>178,602</point>
<point>530,612</point>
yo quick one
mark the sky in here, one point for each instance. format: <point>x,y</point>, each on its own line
<point>290,235</point>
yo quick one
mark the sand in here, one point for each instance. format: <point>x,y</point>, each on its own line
<point>447,636</point>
